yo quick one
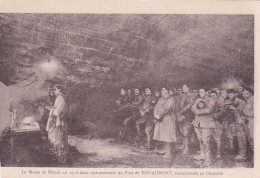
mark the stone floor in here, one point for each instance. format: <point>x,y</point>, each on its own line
<point>85,152</point>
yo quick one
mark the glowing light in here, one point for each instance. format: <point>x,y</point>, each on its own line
<point>49,67</point>
<point>231,83</point>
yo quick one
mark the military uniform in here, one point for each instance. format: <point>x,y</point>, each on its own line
<point>185,117</point>
<point>146,112</point>
<point>218,116</point>
<point>232,125</point>
<point>124,109</point>
<point>204,126</point>
<point>137,100</point>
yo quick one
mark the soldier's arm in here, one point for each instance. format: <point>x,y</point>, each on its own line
<point>189,105</point>
<point>205,111</point>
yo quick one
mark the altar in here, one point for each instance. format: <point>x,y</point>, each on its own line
<point>20,143</point>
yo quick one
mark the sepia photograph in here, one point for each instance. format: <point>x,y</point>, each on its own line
<point>127,90</point>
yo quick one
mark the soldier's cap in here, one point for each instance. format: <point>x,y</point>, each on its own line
<point>231,90</point>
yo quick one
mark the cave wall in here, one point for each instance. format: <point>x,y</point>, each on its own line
<point>127,48</point>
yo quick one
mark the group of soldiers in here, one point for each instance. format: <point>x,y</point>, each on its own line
<point>212,113</point>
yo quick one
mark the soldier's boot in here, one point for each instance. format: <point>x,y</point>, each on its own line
<point>160,151</point>
<point>241,137</point>
<point>185,150</point>
<point>208,159</point>
<point>149,143</point>
<point>201,156</point>
<point>168,153</point>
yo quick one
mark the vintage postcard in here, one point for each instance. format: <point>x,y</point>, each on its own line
<point>129,88</point>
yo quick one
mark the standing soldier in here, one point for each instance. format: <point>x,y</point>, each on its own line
<point>217,115</point>
<point>204,125</point>
<point>129,96</point>
<point>123,105</point>
<point>234,123</point>
<point>249,114</point>
<point>146,112</point>
<point>185,116</point>
<point>165,126</point>
<point>157,94</point>
<point>122,100</point>
<point>137,100</point>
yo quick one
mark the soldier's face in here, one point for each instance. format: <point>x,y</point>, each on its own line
<point>213,96</point>
<point>137,91</point>
<point>164,92</point>
<point>185,89</point>
<point>231,95</point>
<point>246,94</point>
<point>56,91</point>
<point>223,94</point>
<point>51,93</point>
<point>240,89</point>
<point>202,93</point>
<point>122,92</point>
<point>147,91</point>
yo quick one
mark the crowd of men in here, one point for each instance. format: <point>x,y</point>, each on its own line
<point>210,113</point>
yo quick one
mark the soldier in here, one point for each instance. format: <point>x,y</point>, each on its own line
<point>157,94</point>
<point>122,100</point>
<point>146,112</point>
<point>179,91</point>
<point>196,92</point>
<point>137,100</point>
<point>185,116</point>
<point>204,125</point>
<point>165,126</point>
<point>217,115</point>
<point>175,92</point>
<point>249,114</point>
<point>123,105</point>
<point>129,96</point>
<point>239,92</point>
<point>234,123</point>
<point>217,90</point>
